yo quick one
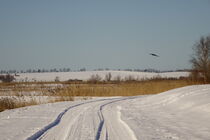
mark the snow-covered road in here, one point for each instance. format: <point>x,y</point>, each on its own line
<point>92,120</point>
<point>182,113</point>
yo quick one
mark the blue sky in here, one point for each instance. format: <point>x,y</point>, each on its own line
<point>114,34</point>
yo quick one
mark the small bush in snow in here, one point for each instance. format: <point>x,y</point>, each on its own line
<point>108,77</point>
<point>95,78</point>
<point>57,79</point>
<point>7,78</point>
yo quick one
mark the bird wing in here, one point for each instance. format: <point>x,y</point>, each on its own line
<point>154,54</point>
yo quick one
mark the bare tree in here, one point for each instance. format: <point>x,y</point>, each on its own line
<point>201,59</point>
<point>118,78</point>
<point>95,78</point>
<point>108,77</point>
<point>130,78</point>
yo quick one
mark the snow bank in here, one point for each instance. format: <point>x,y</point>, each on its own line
<point>182,113</point>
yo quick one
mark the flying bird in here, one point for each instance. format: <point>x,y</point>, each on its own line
<point>153,54</point>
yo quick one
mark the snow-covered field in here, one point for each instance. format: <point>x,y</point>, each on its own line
<point>64,76</point>
<point>182,114</point>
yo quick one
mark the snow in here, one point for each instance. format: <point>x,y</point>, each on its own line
<point>178,114</point>
<point>132,135</point>
<point>64,76</point>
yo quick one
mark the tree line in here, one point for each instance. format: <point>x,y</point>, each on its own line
<point>84,69</point>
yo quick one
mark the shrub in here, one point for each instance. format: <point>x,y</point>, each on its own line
<point>108,77</point>
<point>7,78</point>
<point>118,78</point>
<point>57,79</point>
<point>130,78</point>
<point>95,78</point>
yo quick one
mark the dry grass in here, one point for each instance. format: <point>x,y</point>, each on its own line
<point>10,103</point>
<point>20,88</point>
<point>123,88</point>
<point>15,102</point>
<point>12,95</point>
<point>69,90</point>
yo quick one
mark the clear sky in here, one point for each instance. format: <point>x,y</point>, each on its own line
<point>114,34</point>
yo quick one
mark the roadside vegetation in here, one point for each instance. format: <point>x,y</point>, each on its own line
<point>124,88</point>
<point>20,94</point>
<point>11,102</point>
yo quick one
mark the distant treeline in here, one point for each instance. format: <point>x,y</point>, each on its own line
<point>83,69</point>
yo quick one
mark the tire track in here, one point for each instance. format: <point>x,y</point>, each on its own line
<point>102,120</point>
<point>39,133</point>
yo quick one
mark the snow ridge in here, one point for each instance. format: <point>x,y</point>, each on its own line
<point>133,137</point>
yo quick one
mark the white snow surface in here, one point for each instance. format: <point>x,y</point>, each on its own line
<point>64,76</point>
<point>179,114</point>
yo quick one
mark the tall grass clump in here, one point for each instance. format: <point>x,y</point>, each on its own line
<point>6,103</point>
<point>11,103</point>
